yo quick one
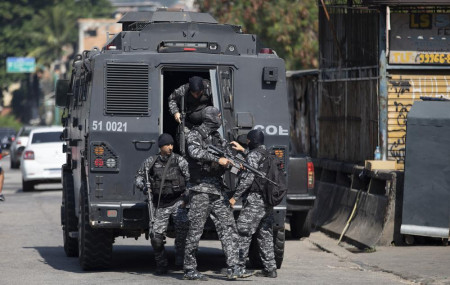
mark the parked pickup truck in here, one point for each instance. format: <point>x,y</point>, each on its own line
<point>300,198</point>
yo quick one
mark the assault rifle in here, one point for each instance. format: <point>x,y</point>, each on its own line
<point>150,203</point>
<point>182,142</point>
<point>235,160</point>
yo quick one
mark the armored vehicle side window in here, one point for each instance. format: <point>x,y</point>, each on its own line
<point>226,87</point>
<point>127,89</point>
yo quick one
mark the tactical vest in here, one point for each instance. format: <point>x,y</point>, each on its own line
<point>255,187</point>
<point>195,107</point>
<point>174,182</point>
<point>199,169</point>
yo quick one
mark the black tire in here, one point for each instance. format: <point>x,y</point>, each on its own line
<point>278,248</point>
<point>27,186</point>
<point>94,245</point>
<point>69,220</point>
<point>300,224</point>
<point>15,165</point>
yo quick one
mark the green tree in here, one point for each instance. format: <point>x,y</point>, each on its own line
<point>42,29</point>
<point>57,30</point>
<point>36,27</point>
<point>289,27</point>
<point>15,22</point>
<point>90,8</point>
<point>59,27</point>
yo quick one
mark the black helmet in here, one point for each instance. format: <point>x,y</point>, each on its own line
<point>196,84</point>
<point>256,138</point>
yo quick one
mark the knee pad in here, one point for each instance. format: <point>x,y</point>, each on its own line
<point>158,242</point>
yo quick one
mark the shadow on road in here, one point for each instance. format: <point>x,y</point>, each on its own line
<point>39,189</point>
<point>289,236</point>
<point>136,260</point>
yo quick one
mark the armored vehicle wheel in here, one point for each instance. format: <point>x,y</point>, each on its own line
<point>300,223</point>
<point>94,245</point>
<point>278,248</point>
<point>27,186</point>
<point>69,220</point>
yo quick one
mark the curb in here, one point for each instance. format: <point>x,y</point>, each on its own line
<point>330,245</point>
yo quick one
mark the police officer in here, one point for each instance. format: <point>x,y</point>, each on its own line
<point>197,95</point>
<point>207,195</point>
<point>168,198</point>
<point>256,216</point>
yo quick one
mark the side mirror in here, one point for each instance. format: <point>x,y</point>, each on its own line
<point>62,88</point>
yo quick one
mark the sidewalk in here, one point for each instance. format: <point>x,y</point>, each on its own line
<point>426,264</point>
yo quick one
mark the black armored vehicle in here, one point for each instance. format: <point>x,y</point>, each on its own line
<point>116,106</point>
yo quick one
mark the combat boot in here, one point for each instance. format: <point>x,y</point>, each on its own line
<point>192,274</point>
<point>265,273</point>
<point>232,273</point>
<point>244,272</point>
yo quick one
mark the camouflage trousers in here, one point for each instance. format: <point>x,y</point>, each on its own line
<point>201,206</point>
<point>256,217</point>
<point>180,218</point>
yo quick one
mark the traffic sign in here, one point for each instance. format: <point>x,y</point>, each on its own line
<point>20,64</point>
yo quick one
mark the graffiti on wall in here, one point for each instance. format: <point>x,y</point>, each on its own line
<point>402,111</point>
<point>402,92</point>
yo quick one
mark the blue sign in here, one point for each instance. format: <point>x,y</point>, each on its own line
<point>20,64</point>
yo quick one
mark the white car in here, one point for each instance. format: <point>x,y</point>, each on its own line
<point>19,144</point>
<point>42,157</point>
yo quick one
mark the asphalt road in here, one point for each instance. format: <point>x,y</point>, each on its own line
<point>31,252</point>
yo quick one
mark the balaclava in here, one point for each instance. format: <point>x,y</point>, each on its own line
<point>256,138</point>
<point>211,119</point>
<point>196,84</point>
